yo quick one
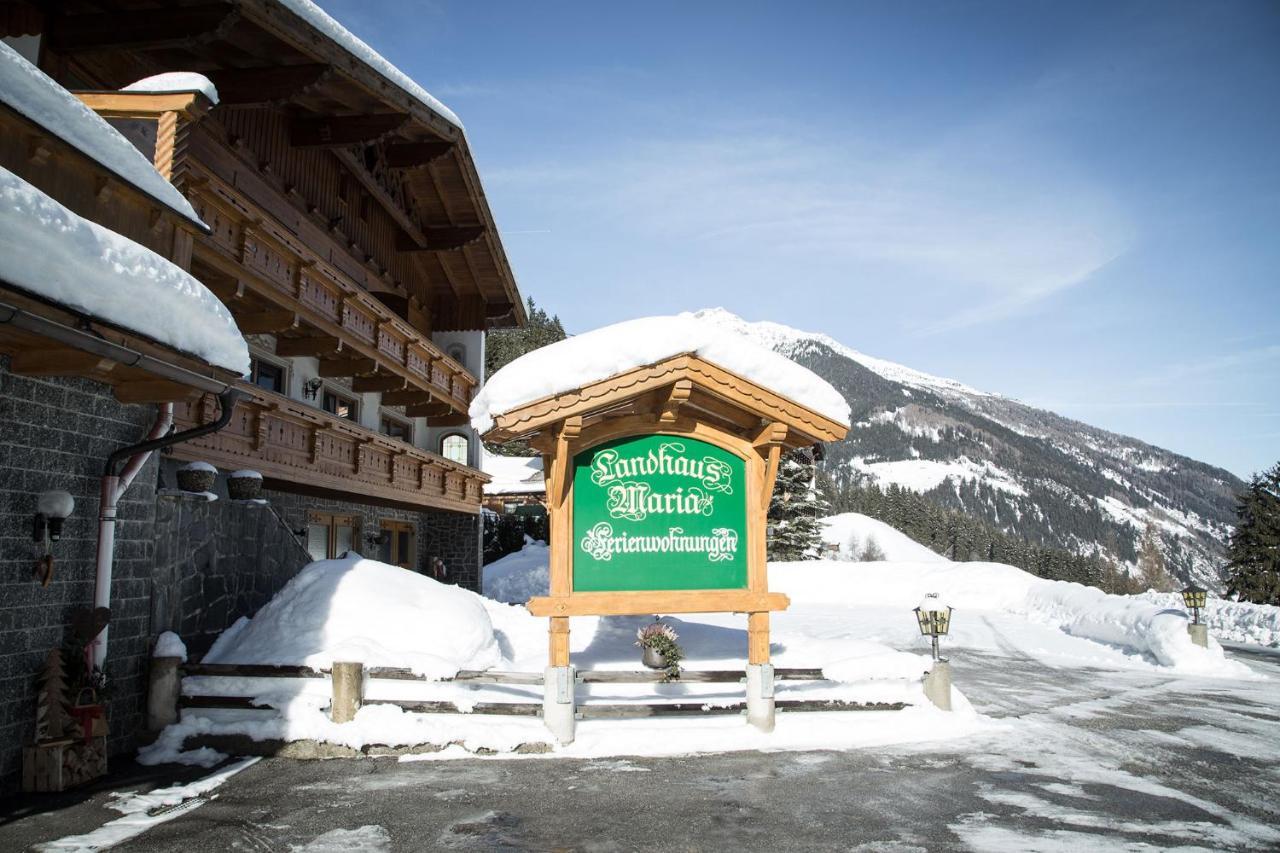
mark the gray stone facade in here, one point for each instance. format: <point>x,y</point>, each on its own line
<point>56,434</point>
<point>181,564</point>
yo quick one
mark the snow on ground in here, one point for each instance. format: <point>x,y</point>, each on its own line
<point>852,620</point>
<point>176,81</point>
<point>921,475</point>
<point>599,354</point>
<point>1232,621</point>
<point>512,475</point>
<point>36,96</point>
<point>353,609</point>
<point>54,253</point>
<point>852,531</point>
<point>144,811</point>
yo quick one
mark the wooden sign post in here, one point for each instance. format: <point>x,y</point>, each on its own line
<point>658,483</point>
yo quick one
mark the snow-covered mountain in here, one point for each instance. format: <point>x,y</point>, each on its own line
<point>1030,472</point>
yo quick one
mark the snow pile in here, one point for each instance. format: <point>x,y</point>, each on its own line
<point>512,475</point>
<point>1080,611</point>
<point>176,81</point>
<point>170,645</point>
<point>599,354</point>
<point>318,18</point>
<point>923,475</point>
<point>518,577</point>
<point>852,532</point>
<point>1233,621</point>
<point>51,252</point>
<point>353,609</point>
<point>32,94</point>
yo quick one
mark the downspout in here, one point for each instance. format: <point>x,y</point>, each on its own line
<point>115,485</point>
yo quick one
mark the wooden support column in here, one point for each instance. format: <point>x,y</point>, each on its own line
<point>558,654</point>
<point>757,638</point>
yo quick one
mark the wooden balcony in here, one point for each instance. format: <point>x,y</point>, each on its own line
<point>275,283</point>
<point>288,441</point>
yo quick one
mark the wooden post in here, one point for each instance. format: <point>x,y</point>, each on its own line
<point>559,651</point>
<point>348,690</point>
<point>757,638</point>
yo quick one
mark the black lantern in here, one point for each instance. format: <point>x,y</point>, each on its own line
<point>934,617</point>
<point>1194,598</point>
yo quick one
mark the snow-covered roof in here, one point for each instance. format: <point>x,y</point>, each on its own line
<point>49,251</point>
<point>513,475</point>
<point>34,95</point>
<point>175,81</point>
<point>599,354</point>
<point>318,18</point>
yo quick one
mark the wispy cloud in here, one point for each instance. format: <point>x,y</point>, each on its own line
<point>1182,372</point>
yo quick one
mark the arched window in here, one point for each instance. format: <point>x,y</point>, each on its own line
<point>454,447</point>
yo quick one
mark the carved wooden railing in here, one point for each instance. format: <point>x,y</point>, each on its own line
<point>251,246</point>
<point>286,440</point>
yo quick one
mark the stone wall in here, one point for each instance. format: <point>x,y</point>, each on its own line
<point>56,433</point>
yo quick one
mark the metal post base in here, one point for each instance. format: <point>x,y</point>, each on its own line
<point>760,707</point>
<point>937,685</point>
<point>558,706</point>
<point>1199,634</point>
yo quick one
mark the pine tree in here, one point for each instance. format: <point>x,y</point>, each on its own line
<point>503,346</point>
<point>52,720</point>
<point>1151,561</point>
<point>1253,567</point>
<point>795,509</point>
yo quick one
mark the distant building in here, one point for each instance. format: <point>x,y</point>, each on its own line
<point>516,482</point>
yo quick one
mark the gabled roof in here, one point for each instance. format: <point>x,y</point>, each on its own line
<point>673,391</point>
<point>30,93</point>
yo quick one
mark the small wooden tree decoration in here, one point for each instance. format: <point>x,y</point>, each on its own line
<point>52,720</point>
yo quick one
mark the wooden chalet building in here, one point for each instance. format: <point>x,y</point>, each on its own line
<point>336,212</point>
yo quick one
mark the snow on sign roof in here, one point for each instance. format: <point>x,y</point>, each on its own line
<point>175,81</point>
<point>599,354</point>
<point>29,92</point>
<point>49,251</point>
<point>318,18</point>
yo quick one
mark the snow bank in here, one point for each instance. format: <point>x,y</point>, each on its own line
<point>1233,621</point>
<point>601,353</point>
<point>31,93</point>
<point>1156,632</point>
<point>842,530</point>
<point>51,252</point>
<point>518,577</point>
<point>176,81</point>
<point>170,645</point>
<point>353,609</point>
<point>318,18</point>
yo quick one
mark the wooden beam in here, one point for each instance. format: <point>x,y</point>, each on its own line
<point>62,361</point>
<point>642,603</point>
<point>154,391</point>
<point>332,367</point>
<point>425,410</point>
<point>311,346</point>
<point>149,29</point>
<point>408,397</point>
<point>340,131</point>
<point>266,322</point>
<point>267,85</point>
<point>672,399</point>
<point>409,155</point>
<point>769,434</point>
<point>455,420</point>
<point>441,239</point>
<point>369,384</point>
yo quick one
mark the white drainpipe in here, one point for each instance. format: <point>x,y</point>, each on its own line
<point>113,488</point>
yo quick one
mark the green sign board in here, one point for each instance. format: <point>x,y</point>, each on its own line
<point>659,512</point>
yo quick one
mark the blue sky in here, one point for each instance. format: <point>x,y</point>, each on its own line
<point>1073,204</point>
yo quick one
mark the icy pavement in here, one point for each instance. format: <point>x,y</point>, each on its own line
<point>1082,759</point>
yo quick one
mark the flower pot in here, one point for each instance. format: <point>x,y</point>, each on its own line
<point>653,658</point>
<point>197,477</point>
<point>244,485</point>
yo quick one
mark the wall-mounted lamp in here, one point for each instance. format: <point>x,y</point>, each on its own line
<point>376,539</point>
<point>312,387</point>
<point>52,508</point>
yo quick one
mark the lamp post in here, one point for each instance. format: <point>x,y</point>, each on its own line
<point>1194,598</point>
<point>934,618</point>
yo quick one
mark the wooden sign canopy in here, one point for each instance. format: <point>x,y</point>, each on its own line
<point>688,441</point>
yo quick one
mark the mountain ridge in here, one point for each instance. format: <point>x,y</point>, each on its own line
<point>1030,472</point>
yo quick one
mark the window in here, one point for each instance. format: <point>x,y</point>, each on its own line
<point>267,375</point>
<point>342,406</point>
<point>398,546</point>
<point>458,353</point>
<point>329,535</point>
<point>454,447</point>
<point>397,428</point>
